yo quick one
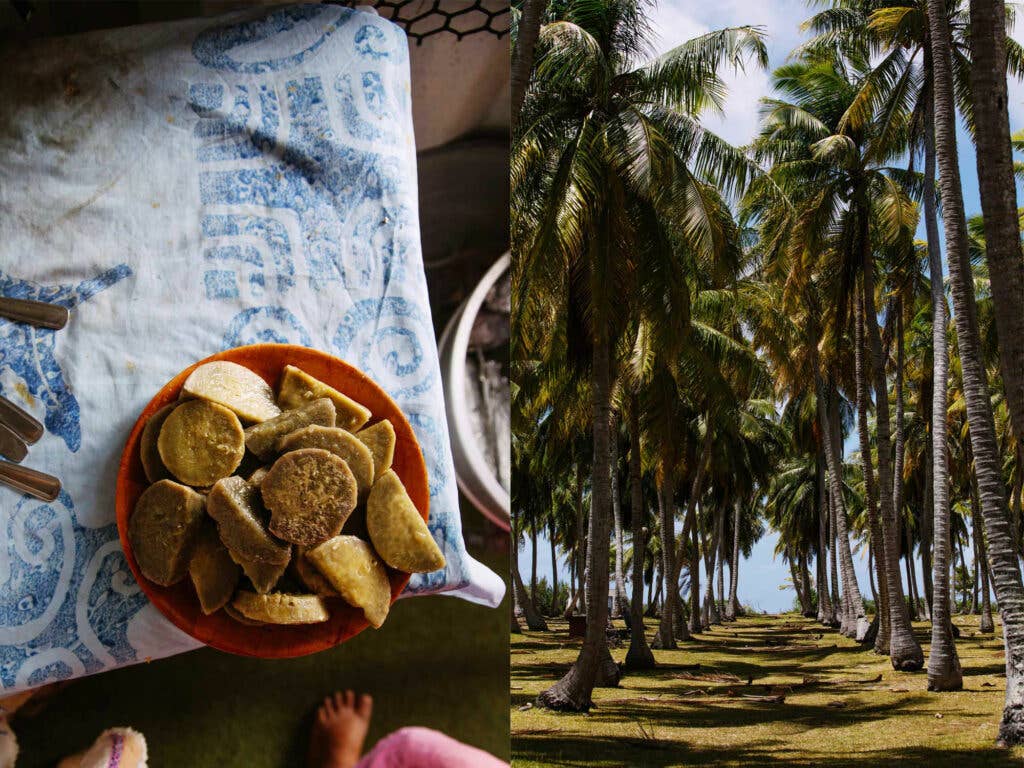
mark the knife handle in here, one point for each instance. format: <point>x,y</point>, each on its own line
<point>39,313</point>
<point>30,481</point>
<point>20,421</point>
<point>11,446</point>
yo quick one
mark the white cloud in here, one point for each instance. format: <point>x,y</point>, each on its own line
<point>672,25</point>
<point>675,21</point>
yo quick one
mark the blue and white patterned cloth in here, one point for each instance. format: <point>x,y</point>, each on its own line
<point>184,188</point>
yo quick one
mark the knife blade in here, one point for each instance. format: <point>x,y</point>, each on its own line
<point>30,481</point>
<point>20,421</point>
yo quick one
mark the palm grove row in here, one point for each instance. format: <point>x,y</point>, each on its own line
<point>699,326</point>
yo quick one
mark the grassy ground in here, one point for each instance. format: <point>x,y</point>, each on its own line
<point>437,661</point>
<point>844,706</point>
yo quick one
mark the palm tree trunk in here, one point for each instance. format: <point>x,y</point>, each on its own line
<point>517,628</point>
<point>899,450</point>
<point>666,507</point>
<point>570,597</point>
<point>554,566</point>
<point>619,595</point>
<point>695,625</point>
<point>522,56</point>
<point>720,566</point>
<point>732,608</point>
<point>805,587</point>
<point>573,691</point>
<point>798,586</point>
<point>975,566</point>
<point>819,581</point>
<point>679,620</point>
<point>709,575</point>
<point>915,586</point>
<point>825,615</point>
<point>654,593</point>
<point>877,530</point>
<point>1002,558</point>
<point>710,614</point>
<point>905,652</point>
<point>997,185</point>
<point>964,606</point>
<point>852,602</point>
<point>690,527</point>
<point>908,565</point>
<point>639,655</point>
<point>1015,501</point>
<point>513,602</point>
<point>927,517</point>
<point>533,562</point>
<point>899,439</point>
<point>833,538</point>
<point>871,580</point>
<point>534,621</point>
<point>580,598</point>
<point>986,625</point>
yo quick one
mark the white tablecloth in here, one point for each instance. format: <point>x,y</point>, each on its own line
<point>185,188</point>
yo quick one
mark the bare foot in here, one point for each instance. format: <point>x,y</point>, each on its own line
<point>339,730</point>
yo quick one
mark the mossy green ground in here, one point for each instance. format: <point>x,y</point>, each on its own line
<point>437,661</point>
<point>837,710</point>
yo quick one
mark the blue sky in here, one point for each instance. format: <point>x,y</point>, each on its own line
<point>762,576</point>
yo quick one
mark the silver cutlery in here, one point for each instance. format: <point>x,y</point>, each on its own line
<point>11,446</point>
<point>22,423</point>
<point>40,313</point>
<point>17,427</point>
<point>31,481</point>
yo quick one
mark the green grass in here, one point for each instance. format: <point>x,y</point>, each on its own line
<point>836,712</point>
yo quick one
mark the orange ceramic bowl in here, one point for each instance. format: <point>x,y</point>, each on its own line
<point>179,603</point>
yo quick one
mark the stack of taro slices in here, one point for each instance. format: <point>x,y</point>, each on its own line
<point>250,493</point>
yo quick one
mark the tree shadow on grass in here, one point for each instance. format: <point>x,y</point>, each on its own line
<point>662,708</point>
<point>997,670</point>
<point>740,713</point>
<point>543,669</point>
<point>828,667</point>
<point>554,644</point>
<point>556,750</point>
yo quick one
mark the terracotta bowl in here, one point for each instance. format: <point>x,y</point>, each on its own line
<point>179,603</point>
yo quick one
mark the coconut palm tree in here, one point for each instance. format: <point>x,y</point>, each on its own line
<point>611,160</point>
<point>792,509</point>
<point>944,673</point>
<point>878,542</point>
<point>525,33</point>
<point>987,466</point>
<point>996,183</point>
<point>854,205</point>
<point>902,31</point>
<point>639,655</point>
<point>619,598</point>
<point>786,326</point>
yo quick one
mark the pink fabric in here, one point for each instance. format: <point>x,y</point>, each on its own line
<point>426,748</point>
